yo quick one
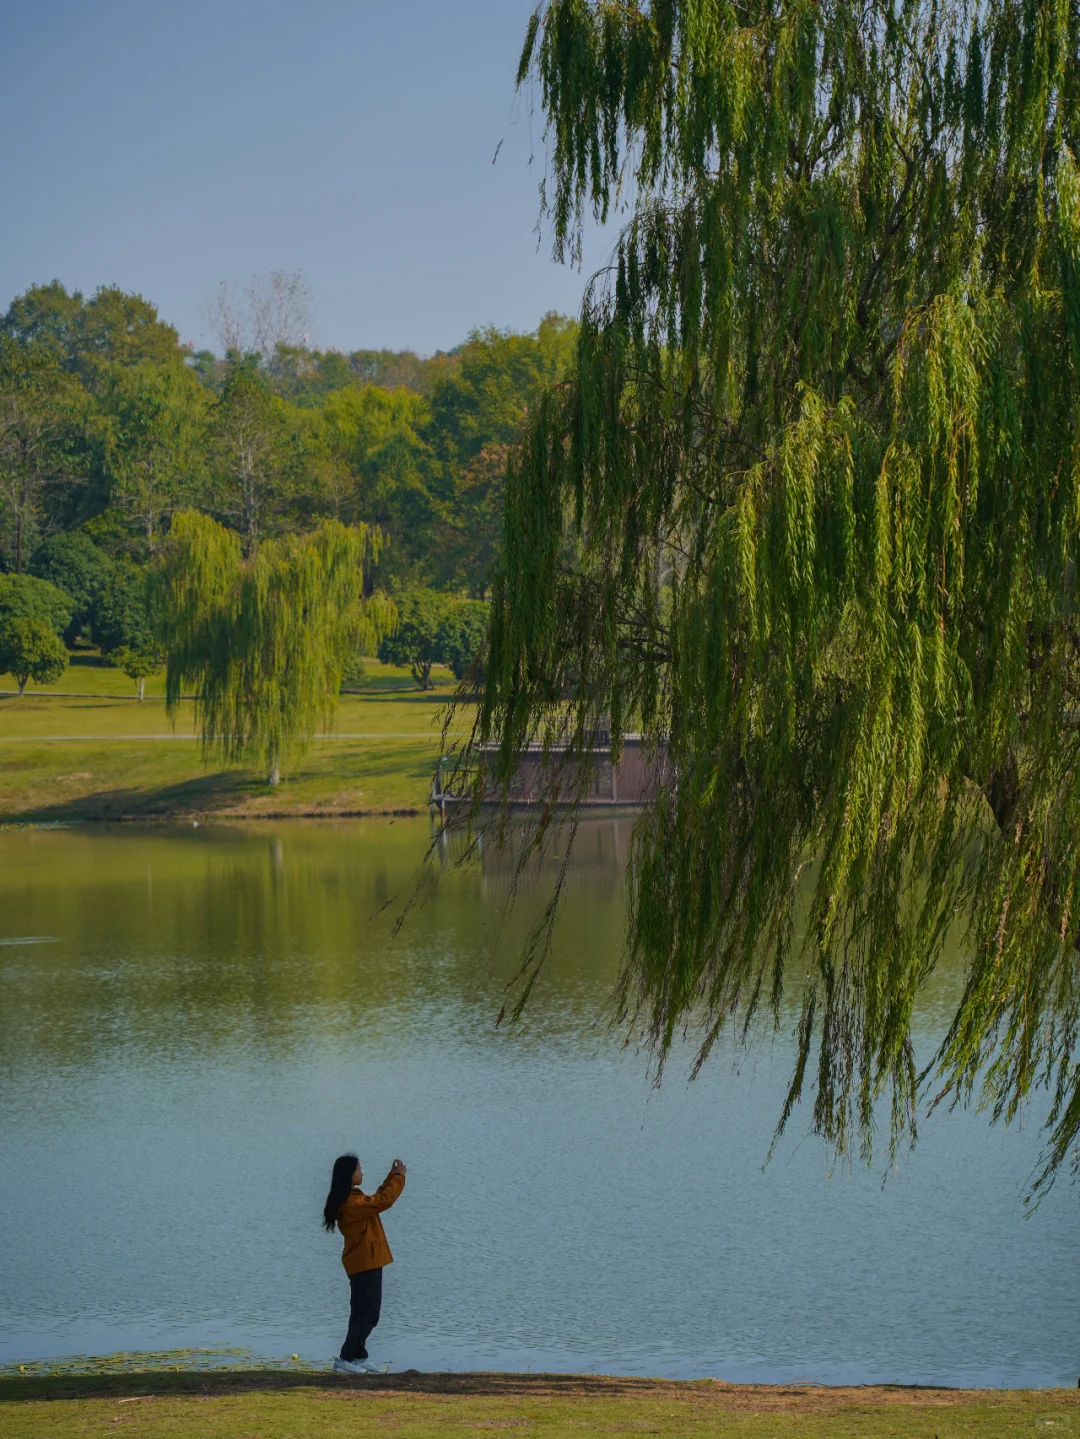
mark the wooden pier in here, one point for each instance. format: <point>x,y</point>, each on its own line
<point>626,785</point>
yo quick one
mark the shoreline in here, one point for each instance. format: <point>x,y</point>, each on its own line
<point>226,1365</point>
<point>278,1404</point>
<point>287,1375</point>
<point>235,1365</point>
<point>189,817</point>
<point>85,754</point>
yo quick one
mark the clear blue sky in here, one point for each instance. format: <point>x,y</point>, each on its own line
<point>166,147</point>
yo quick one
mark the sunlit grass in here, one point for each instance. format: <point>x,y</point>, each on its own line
<point>225,1394</point>
<point>89,750</point>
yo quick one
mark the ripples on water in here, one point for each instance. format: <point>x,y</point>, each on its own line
<point>196,1022</point>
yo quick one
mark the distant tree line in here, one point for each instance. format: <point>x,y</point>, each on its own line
<point>109,427</point>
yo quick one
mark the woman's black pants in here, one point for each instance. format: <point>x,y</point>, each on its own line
<point>366,1303</point>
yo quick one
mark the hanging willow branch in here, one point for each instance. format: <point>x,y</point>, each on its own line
<point>263,641</point>
<point>806,514</point>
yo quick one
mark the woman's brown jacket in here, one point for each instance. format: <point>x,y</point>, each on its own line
<point>359,1222</point>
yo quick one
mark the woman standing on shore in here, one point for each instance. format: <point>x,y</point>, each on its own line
<point>366,1252</point>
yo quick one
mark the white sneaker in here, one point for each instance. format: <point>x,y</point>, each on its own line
<point>370,1367</point>
<point>350,1366</point>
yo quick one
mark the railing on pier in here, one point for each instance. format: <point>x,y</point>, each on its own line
<point>631,782</point>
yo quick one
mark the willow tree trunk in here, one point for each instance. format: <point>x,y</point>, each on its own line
<point>275,772</point>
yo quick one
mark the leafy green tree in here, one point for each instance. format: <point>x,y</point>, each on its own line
<point>471,549</point>
<point>417,639</point>
<point>462,636</point>
<point>305,377</point>
<point>75,565</point>
<point>254,456</point>
<point>24,597</point>
<point>31,649</point>
<point>40,411</point>
<point>138,664</point>
<point>484,399</point>
<point>807,513</point>
<point>89,592</point>
<point>263,640</point>
<point>477,411</point>
<point>385,467</point>
<point>209,369</point>
<point>117,327</point>
<point>392,369</point>
<point>148,427</point>
<point>45,315</point>
<point>82,335</point>
<point>121,618</point>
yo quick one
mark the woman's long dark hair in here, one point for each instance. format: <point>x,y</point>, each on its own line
<point>340,1187</point>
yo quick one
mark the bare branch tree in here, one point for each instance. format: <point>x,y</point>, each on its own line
<point>279,307</point>
<point>224,313</point>
<point>273,310</point>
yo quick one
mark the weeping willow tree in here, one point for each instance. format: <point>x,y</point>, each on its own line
<point>263,641</point>
<point>806,516</point>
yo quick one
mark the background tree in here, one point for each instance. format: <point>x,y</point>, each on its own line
<point>471,551</point>
<point>75,565</point>
<point>120,328</point>
<point>432,628</point>
<point>376,434</point>
<point>120,618</point>
<point>477,410</point>
<point>806,512</point>
<point>272,315</point>
<point>25,597</point>
<point>417,639</point>
<point>149,424</point>
<point>253,456</point>
<point>40,409</point>
<point>462,637</point>
<point>484,398</point>
<point>48,316</point>
<point>82,335</point>
<point>31,649</point>
<point>263,639</point>
<point>138,664</point>
<point>393,369</point>
<point>275,435</point>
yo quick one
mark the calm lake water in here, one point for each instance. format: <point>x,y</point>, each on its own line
<point>194,1022</point>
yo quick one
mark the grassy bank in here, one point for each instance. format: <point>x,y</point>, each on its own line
<point>86,749</point>
<point>239,1405</point>
<point>140,781</point>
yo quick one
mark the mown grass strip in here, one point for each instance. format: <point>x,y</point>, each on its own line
<point>259,1401</point>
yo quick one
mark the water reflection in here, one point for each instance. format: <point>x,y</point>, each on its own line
<point>219,1010</point>
<point>209,937</point>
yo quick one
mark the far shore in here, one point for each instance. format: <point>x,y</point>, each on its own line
<point>87,750</point>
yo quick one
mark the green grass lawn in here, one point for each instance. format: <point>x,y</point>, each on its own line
<point>87,749</point>
<point>421,1406</point>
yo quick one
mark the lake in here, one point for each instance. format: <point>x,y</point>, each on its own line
<point>196,1021</point>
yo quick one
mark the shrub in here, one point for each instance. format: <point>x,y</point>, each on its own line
<point>354,674</point>
<point>462,636</point>
<point>25,597</point>
<point>122,618</point>
<point>75,565</point>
